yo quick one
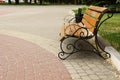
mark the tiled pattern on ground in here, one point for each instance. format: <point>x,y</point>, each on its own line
<point>86,65</point>
<point>81,66</point>
<point>89,66</point>
<point>22,60</point>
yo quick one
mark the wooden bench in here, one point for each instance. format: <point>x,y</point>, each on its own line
<point>86,29</point>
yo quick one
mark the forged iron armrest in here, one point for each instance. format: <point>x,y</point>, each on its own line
<point>83,32</point>
<point>69,19</point>
<point>78,31</point>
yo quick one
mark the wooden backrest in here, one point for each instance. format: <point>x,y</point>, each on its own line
<point>92,16</point>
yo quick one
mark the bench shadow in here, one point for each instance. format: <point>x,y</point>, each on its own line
<point>86,50</point>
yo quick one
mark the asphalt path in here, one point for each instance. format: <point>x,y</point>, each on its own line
<point>44,21</point>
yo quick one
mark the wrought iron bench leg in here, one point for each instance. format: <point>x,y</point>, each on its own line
<point>62,56</point>
<point>106,55</point>
<point>103,54</point>
<point>67,49</point>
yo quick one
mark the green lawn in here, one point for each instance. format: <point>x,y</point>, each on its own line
<point>110,30</point>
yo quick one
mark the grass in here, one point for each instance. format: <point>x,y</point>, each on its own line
<point>83,10</point>
<point>110,30</point>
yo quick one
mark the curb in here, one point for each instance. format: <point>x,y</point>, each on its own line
<point>115,55</point>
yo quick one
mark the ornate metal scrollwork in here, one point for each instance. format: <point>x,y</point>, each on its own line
<point>74,47</point>
<point>82,31</point>
<point>68,48</point>
<point>105,54</point>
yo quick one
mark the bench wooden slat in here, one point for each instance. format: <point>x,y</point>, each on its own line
<point>94,14</point>
<point>71,29</point>
<point>88,25</point>
<point>98,9</point>
<point>90,19</point>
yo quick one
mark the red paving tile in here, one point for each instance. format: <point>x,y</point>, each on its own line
<point>22,60</point>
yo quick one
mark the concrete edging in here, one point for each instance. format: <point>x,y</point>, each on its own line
<point>115,55</point>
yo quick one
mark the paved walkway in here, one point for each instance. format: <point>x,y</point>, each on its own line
<point>29,52</point>
<point>22,60</point>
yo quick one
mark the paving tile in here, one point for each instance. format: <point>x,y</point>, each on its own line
<point>77,79</point>
<point>75,76</point>
<point>85,78</point>
<point>23,60</point>
<point>80,71</point>
<point>102,77</point>
<point>71,71</point>
<point>31,62</point>
<point>85,67</point>
<point>94,77</point>
<point>89,72</point>
<point>83,74</point>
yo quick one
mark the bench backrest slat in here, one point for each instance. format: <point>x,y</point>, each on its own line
<point>98,9</point>
<point>89,26</point>
<point>95,14</point>
<point>90,20</point>
<point>92,17</point>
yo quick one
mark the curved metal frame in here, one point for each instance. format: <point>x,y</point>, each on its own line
<point>96,36</point>
<point>73,47</point>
